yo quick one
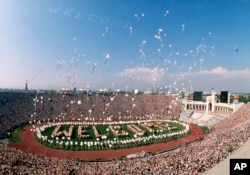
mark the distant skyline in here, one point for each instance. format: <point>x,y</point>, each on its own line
<point>174,45</point>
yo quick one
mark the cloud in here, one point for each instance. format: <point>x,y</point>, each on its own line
<point>220,78</point>
<point>223,73</point>
<point>144,74</point>
<point>156,74</point>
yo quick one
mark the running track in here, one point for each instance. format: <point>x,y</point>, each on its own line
<point>30,145</point>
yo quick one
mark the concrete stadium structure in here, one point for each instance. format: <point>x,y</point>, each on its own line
<point>207,112</point>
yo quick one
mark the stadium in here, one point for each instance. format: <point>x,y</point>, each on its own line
<point>193,154</point>
<point>113,87</point>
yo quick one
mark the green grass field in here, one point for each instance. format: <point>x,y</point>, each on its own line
<point>15,134</point>
<point>205,129</point>
<point>157,135</point>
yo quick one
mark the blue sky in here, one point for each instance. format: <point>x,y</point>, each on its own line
<point>169,45</point>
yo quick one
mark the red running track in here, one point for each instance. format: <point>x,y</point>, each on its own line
<point>30,145</point>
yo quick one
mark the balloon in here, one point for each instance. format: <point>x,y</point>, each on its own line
<point>166,13</point>
<point>93,69</point>
<point>131,30</point>
<point>182,27</point>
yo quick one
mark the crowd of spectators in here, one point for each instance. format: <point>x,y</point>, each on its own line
<point>15,110</point>
<point>19,108</point>
<point>193,158</point>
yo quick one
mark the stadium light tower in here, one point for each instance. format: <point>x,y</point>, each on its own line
<point>26,85</point>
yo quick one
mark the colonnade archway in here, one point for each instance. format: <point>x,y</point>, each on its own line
<point>222,109</point>
<point>196,107</point>
<point>208,107</point>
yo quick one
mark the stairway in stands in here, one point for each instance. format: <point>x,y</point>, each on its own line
<point>185,115</point>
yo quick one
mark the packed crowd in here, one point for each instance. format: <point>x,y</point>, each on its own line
<point>15,109</point>
<point>19,108</point>
<point>193,158</point>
